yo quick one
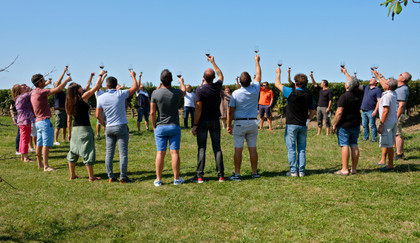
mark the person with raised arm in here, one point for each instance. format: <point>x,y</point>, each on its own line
<point>243,110</point>
<point>112,103</point>
<point>300,110</point>
<point>402,98</point>
<point>42,111</point>
<point>189,105</point>
<point>324,104</point>
<point>60,112</point>
<point>206,120</point>
<point>81,136</point>
<point>165,102</point>
<point>143,101</point>
<point>87,88</point>
<point>371,96</point>
<point>347,124</point>
<point>288,77</point>
<point>264,105</point>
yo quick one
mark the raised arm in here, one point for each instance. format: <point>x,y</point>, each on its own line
<point>182,86</point>
<point>380,77</point>
<point>216,68</point>
<point>278,83</point>
<point>97,86</point>
<point>60,87</point>
<point>61,77</point>
<point>288,77</point>
<point>344,70</point>
<point>139,83</point>
<point>258,69</point>
<point>313,80</point>
<point>133,88</point>
<point>237,83</point>
<point>89,81</point>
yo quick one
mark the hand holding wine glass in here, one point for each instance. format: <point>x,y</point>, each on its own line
<point>210,59</point>
<point>256,49</point>
<point>179,74</point>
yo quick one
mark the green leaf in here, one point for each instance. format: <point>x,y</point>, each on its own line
<point>397,8</point>
<point>390,9</point>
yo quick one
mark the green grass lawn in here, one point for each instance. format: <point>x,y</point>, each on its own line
<point>369,206</point>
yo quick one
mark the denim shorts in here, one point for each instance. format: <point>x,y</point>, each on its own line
<point>348,136</point>
<point>44,133</point>
<point>165,133</point>
<point>143,112</point>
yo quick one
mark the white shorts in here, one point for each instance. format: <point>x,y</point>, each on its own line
<point>387,138</point>
<point>245,129</point>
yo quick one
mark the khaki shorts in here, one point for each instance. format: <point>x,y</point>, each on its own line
<point>60,119</point>
<point>387,138</point>
<point>245,130</point>
<point>399,124</point>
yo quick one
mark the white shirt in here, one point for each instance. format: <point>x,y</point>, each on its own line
<point>189,99</point>
<point>389,98</point>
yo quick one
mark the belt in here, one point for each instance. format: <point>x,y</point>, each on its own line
<point>241,119</point>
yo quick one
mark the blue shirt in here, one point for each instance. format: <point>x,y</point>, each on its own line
<point>245,101</point>
<point>113,104</point>
<point>402,94</point>
<point>370,98</point>
<point>287,91</point>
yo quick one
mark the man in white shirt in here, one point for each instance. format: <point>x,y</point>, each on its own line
<point>189,107</point>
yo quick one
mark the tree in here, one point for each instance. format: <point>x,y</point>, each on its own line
<point>395,6</point>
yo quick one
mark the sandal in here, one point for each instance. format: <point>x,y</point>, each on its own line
<point>49,169</point>
<point>95,178</point>
<point>339,172</point>
<point>75,177</point>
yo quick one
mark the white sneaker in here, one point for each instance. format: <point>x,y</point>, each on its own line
<point>57,143</point>
<point>179,181</point>
<point>301,174</point>
<point>292,174</point>
<point>17,153</point>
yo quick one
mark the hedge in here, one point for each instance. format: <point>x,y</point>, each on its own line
<point>279,101</point>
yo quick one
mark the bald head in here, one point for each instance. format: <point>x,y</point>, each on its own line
<point>209,75</point>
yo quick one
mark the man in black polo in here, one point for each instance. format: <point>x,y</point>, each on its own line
<point>324,104</point>
<point>206,120</point>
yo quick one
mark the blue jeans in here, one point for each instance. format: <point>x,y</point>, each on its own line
<point>296,135</point>
<point>366,120</point>
<point>188,110</point>
<point>113,134</point>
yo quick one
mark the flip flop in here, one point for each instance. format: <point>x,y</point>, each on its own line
<point>49,169</point>
<point>95,178</point>
<point>339,172</point>
<point>380,164</point>
<point>75,177</point>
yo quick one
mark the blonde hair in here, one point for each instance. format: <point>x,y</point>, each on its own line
<point>15,91</point>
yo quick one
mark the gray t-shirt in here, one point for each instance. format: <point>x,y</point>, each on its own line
<point>167,101</point>
<point>402,94</point>
<point>389,98</point>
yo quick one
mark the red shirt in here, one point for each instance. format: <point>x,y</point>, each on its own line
<point>39,100</point>
<point>265,96</point>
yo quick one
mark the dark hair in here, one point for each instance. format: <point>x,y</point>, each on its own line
<point>245,79</point>
<point>36,78</point>
<point>265,83</point>
<point>325,82</point>
<point>301,80</point>
<point>111,82</point>
<point>72,97</point>
<point>166,77</point>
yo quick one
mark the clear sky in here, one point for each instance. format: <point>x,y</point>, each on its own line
<point>153,35</point>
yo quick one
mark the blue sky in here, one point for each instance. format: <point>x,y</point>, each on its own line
<point>153,35</point>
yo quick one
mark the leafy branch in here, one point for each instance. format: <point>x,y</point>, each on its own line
<point>395,6</point>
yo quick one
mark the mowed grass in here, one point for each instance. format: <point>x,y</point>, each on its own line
<point>369,206</point>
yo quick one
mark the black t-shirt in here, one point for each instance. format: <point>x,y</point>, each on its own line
<point>60,100</point>
<point>325,95</point>
<point>350,102</point>
<point>298,105</point>
<point>209,95</point>
<point>82,114</point>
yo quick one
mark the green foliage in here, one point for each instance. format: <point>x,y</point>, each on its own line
<point>394,6</point>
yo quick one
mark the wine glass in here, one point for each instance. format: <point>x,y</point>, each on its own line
<point>207,52</point>
<point>68,74</point>
<point>342,64</point>
<point>101,65</point>
<point>290,68</point>
<point>256,49</point>
<point>279,62</point>
<point>179,74</point>
<point>312,72</point>
<point>130,68</point>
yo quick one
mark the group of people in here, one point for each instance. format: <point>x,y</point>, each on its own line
<point>238,111</point>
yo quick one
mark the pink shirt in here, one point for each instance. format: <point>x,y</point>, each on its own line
<point>39,100</point>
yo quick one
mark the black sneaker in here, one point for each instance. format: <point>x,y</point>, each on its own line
<point>255,176</point>
<point>126,180</point>
<point>399,156</point>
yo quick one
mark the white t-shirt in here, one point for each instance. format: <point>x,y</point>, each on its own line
<point>245,101</point>
<point>389,98</point>
<point>189,99</point>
